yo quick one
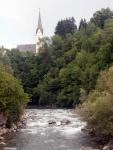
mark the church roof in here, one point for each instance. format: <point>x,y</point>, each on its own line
<point>39,27</point>
<point>27,47</point>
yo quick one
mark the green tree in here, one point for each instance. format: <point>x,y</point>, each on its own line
<point>65,26</point>
<point>91,28</point>
<point>5,61</point>
<point>98,109</point>
<point>12,97</point>
<point>83,24</point>
<point>108,23</point>
<point>100,16</point>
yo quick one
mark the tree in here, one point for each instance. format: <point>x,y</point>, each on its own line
<point>83,24</point>
<point>16,58</point>
<point>5,61</point>
<point>83,96</point>
<point>65,26</point>
<point>91,28</point>
<point>100,16</point>
<point>12,97</point>
<point>108,23</point>
<point>98,109</point>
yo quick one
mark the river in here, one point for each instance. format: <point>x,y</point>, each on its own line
<point>39,135</point>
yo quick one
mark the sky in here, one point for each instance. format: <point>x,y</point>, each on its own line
<point>19,18</point>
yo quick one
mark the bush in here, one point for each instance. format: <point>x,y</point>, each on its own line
<point>12,97</point>
<point>98,109</point>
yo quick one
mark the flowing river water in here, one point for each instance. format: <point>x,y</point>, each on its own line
<point>39,135</point>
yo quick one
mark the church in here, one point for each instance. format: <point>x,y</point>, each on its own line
<point>39,36</point>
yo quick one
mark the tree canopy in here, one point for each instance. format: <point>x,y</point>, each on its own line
<point>100,16</point>
<point>65,26</point>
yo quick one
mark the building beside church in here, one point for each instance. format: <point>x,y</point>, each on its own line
<point>39,39</point>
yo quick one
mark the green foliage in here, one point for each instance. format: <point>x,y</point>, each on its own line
<point>65,26</point>
<point>100,16</point>
<point>5,61</point>
<point>83,96</point>
<point>108,23</point>
<point>91,28</point>
<point>98,109</point>
<point>12,97</point>
<point>83,24</point>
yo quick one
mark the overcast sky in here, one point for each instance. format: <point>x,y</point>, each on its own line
<point>19,18</point>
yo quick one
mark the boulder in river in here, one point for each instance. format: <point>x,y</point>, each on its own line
<point>65,122</point>
<point>106,148</point>
<point>51,122</point>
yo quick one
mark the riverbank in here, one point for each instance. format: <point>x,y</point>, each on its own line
<point>14,128</point>
<point>104,142</point>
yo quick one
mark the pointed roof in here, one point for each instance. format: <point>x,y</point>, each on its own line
<point>39,23</point>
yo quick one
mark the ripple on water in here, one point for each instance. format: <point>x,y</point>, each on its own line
<point>31,131</point>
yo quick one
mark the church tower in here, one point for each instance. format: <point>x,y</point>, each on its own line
<point>39,34</point>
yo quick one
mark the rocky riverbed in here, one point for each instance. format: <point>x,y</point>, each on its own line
<point>48,129</point>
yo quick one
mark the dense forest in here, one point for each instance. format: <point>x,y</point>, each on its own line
<point>73,67</point>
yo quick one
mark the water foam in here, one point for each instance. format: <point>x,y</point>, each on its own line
<point>49,141</point>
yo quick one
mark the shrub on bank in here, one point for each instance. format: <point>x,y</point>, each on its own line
<point>98,109</point>
<point>12,97</point>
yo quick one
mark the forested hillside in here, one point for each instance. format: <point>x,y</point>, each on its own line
<point>66,69</point>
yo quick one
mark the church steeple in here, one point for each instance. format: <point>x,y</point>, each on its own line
<point>39,34</point>
<point>39,27</point>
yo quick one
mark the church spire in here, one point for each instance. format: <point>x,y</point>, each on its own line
<point>39,34</point>
<point>39,27</point>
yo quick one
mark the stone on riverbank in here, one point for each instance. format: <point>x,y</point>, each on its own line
<point>19,124</point>
<point>2,144</point>
<point>87,129</point>
<point>1,138</point>
<point>3,119</point>
<point>14,128</point>
<point>3,131</point>
<point>106,148</point>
